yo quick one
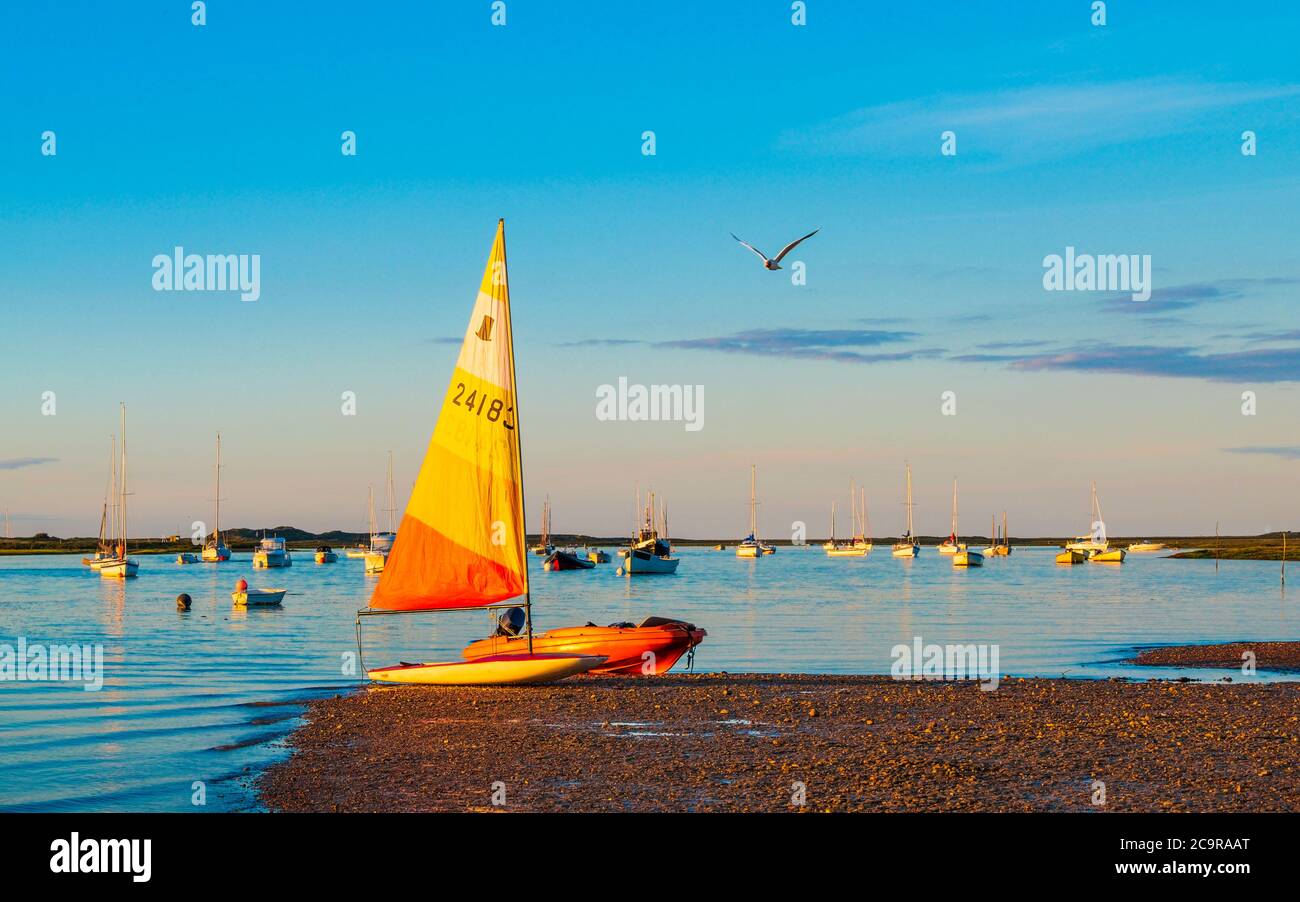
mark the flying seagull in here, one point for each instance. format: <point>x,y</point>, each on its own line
<point>776,263</point>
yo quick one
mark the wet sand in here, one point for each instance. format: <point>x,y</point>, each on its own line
<point>1283,656</point>
<point>718,742</point>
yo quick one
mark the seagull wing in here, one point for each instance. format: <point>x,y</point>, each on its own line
<point>789,247</point>
<point>752,248</point>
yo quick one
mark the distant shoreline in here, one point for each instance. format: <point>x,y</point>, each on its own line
<point>1266,547</point>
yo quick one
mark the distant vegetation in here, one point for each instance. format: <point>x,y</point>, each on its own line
<point>1267,547</point>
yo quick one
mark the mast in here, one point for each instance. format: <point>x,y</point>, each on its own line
<point>909,505</point>
<point>753,511</point>
<point>954,508</point>
<point>371,490</point>
<point>216,501</point>
<point>993,530</point>
<point>1005,540</point>
<point>123,486</point>
<point>519,442</point>
<point>832,522</point>
<point>391,501</point>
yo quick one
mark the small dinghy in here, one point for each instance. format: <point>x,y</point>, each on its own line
<point>566,560</point>
<point>598,556</point>
<point>244,597</point>
<point>325,555</point>
<point>1071,556</point>
<point>187,557</point>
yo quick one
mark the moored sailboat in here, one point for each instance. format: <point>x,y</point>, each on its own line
<point>104,548</point>
<point>461,543</point>
<point>907,546</point>
<point>381,543</point>
<point>650,552</point>
<point>950,545</point>
<point>750,546</point>
<point>214,550</point>
<point>120,565</point>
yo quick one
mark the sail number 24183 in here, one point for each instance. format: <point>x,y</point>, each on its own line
<point>479,404</point>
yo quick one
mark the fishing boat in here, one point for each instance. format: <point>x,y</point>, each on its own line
<point>907,546</point>
<point>950,544</point>
<point>650,647</point>
<point>1070,556</point>
<point>560,559</point>
<point>325,555</point>
<point>461,543</point>
<point>544,547</point>
<point>271,553</point>
<point>750,546</point>
<point>650,551</point>
<point>120,565</point>
<point>104,548</point>
<point>214,550</point>
<point>1144,546</point>
<point>381,543</point>
<point>188,557</point>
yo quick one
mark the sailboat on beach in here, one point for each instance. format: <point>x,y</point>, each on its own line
<point>461,544</point>
<point>907,546</point>
<point>214,550</point>
<point>120,566</point>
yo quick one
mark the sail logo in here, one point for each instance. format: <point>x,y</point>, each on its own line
<point>636,402</point>
<point>34,662</point>
<point>1098,272</point>
<point>103,856</point>
<point>485,330</point>
<point>919,661</point>
<point>212,272</point>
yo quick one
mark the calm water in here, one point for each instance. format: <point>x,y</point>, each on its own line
<point>209,695</point>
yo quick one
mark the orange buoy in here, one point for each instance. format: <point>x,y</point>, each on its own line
<point>241,586</point>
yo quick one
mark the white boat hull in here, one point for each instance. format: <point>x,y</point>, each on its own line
<point>636,564</point>
<point>947,548</point>
<point>375,561</point>
<point>258,598</point>
<point>118,569</point>
<point>906,550</point>
<point>968,559</point>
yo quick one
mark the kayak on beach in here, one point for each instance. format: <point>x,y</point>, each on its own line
<point>651,647</point>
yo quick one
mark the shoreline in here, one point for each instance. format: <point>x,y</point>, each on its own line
<point>742,742</point>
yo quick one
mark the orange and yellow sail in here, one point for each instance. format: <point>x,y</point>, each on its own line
<point>461,540</point>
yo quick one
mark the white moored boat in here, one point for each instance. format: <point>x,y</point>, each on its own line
<point>214,550</point>
<point>950,545</point>
<point>271,552</point>
<point>120,565</point>
<point>258,598</point>
<point>650,551</point>
<point>381,543</point>
<point>907,546</point>
<point>750,546</point>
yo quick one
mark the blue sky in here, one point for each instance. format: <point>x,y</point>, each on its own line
<point>925,278</point>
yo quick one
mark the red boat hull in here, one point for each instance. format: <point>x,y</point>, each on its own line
<point>651,648</point>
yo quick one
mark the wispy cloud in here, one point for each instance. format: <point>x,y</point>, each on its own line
<point>1036,122</point>
<point>1192,294</point>
<point>18,463</point>
<point>1263,365</point>
<point>1290,452</point>
<point>843,345</point>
